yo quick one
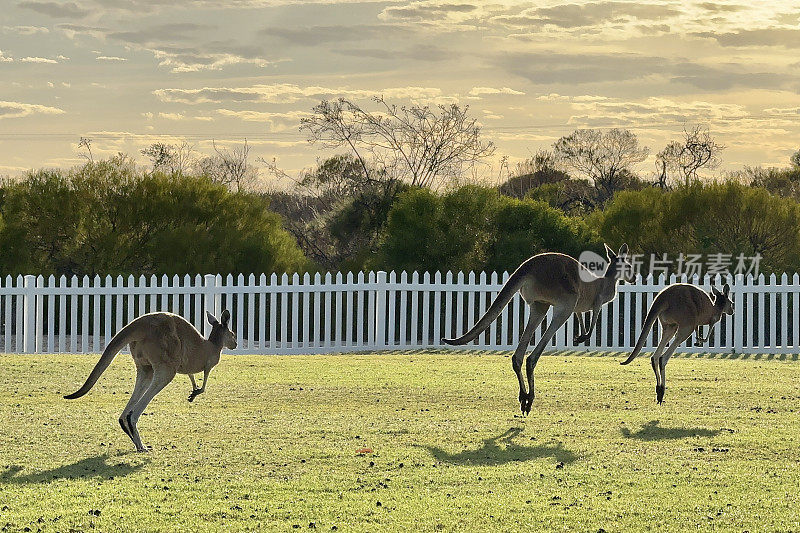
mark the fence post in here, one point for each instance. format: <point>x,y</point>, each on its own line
<point>209,300</point>
<point>29,315</point>
<point>380,310</point>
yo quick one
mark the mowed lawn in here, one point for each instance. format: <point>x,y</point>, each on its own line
<point>273,445</point>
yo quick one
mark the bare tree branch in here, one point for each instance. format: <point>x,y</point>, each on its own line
<point>417,144</point>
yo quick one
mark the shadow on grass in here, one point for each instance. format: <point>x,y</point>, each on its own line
<point>652,431</point>
<point>492,453</point>
<point>89,468</point>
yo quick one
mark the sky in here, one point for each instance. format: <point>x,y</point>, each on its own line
<point>127,73</point>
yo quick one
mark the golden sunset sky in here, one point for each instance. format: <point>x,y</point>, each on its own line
<point>129,72</point>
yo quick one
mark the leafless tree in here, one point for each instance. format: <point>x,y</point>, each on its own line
<point>230,166</point>
<point>697,150</point>
<point>170,158</point>
<point>607,159</point>
<point>86,143</point>
<point>421,145</point>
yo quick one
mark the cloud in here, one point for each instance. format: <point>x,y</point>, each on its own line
<point>481,91</point>
<point>19,109</point>
<point>110,58</point>
<point>783,111</point>
<point>424,11</point>
<point>190,61</point>
<point>172,116</point>
<point>26,30</point>
<point>418,52</point>
<point>55,9</point>
<point>178,31</point>
<point>715,7</point>
<point>5,59</point>
<point>71,30</point>
<point>589,14</point>
<point>548,67</point>
<point>286,93</point>
<point>37,60</point>
<point>316,35</point>
<point>784,37</point>
<point>275,121</point>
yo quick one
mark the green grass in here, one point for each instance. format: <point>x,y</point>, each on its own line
<point>272,445</point>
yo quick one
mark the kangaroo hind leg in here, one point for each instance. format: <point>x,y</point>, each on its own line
<point>538,312</point>
<point>161,377</point>
<point>683,334</point>
<point>144,374</point>
<point>667,332</point>
<point>561,314</point>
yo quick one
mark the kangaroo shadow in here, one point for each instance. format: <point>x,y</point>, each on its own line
<point>493,454</point>
<point>652,431</point>
<point>89,468</point>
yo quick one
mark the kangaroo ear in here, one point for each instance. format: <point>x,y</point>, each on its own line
<point>715,292</point>
<point>211,319</point>
<point>623,250</point>
<point>226,316</point>
<point>609,252</point>
<point>726,289</point>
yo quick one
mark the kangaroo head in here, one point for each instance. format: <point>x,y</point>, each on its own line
<point>619,267</point>
<point>722,300</point>
<point>221,334</point>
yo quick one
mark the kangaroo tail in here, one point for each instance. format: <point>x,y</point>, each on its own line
<point>505,295</point>
<point>652,315</point>
<point>118,342</point>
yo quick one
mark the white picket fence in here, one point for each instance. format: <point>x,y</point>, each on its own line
<point>367,311</point>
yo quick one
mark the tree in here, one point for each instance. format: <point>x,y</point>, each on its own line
<point>86,144</point>
<point>230,167</point>
<point>170,158</point>
<point>533,172</point>
<point>336,211</point>
<point>607,159</point>
<point>795,159</point>
<point>697,150</point>
<point>421,145</point>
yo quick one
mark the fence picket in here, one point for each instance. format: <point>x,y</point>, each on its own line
<point>7,329</point>
<point>337,322</point>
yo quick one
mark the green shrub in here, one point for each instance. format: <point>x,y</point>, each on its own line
<point>474,228</point>
<point>109,218</point>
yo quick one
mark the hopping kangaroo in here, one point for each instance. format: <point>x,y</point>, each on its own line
<point>162,344</point>
<point>681,308</point>
<point>557,280</point>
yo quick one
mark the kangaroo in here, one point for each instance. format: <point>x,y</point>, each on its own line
<point>560,281</point>
<point>680,308</point>
<point>162,344</point>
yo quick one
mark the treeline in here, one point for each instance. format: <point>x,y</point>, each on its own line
<point>400,196</point>
<point>111,217</point>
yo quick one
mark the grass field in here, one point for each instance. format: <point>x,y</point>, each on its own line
<point>272,445</point>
